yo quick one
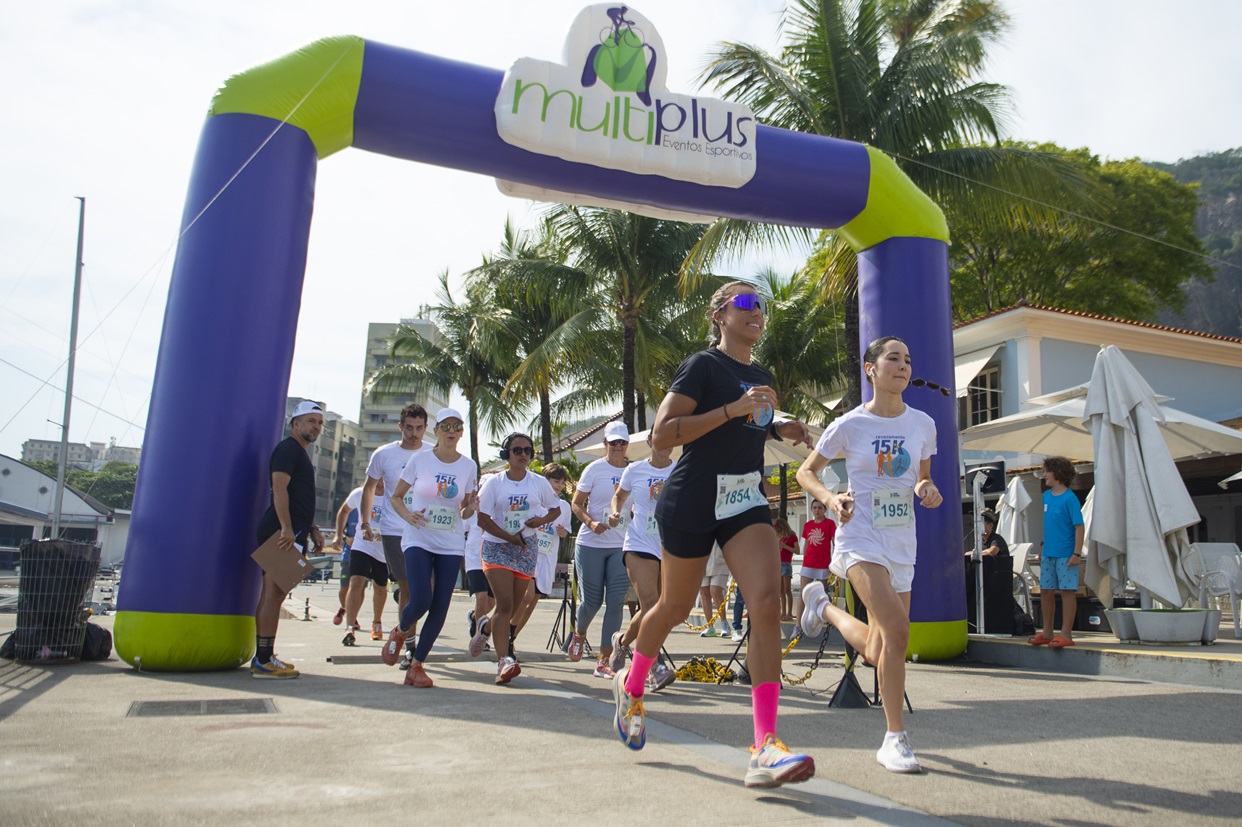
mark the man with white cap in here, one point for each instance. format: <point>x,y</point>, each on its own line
<point>598,557</point>
<point>292,516</point>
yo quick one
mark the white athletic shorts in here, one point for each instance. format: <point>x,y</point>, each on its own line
<point>900,575</point>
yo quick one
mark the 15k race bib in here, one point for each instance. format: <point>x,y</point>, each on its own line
<point>736,493</point>
<point>442,517</point>
<point>548,541</point>
<point>892,508</point>
<point>653,530</point>
<point>515,521</point>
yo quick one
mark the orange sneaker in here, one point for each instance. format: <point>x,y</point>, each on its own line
<point>391,653</point>
<point>416,676</point>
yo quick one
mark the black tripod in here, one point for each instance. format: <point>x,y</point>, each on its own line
<point>565,618</point>
<point>848,694</point>
<point>746,636</point>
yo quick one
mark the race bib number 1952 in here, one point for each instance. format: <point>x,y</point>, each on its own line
<point>892,508</point>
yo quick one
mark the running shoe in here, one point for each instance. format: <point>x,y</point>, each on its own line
<point>391,652</point>
<point>574,647</point>
<point>616,661</point>
<point>507,669</point>
<point>629,722</point>
<point>274,669</point>
<point>349,639</point>
<point>660,677</point>
<point>473,625</point>
<point>339,617</point>
<point>710,631</point>
<point>603,670</point>
<point>377,631</point>
<point>407,658</point>
<point>814,599</point>
<point>478,642</point>
<point>722,628</point>
<point>738,635</point>
<point>417,677</point>
<point>772,764</point>
<point>895,754</point>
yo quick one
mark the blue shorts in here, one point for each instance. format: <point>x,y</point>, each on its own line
<point>1056,574</point>
<point>786,569</point>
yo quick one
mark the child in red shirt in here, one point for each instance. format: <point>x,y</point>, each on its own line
<point>817,552</point>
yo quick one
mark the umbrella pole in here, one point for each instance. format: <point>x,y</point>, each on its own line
<point>977,556</point>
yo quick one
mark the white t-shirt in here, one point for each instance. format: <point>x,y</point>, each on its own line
<point>510,503</point>
<point>882,457</point>
<point>387,463</point>
<point>549,539</point>
<point>474,544</point>
<point>599,482</point>
<point>438,487</point>
<point>644,483</point>
<point>371,548</point>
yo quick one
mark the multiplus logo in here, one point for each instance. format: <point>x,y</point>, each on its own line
<point>607,105</point>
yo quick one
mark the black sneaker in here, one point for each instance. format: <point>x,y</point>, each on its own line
<point>473,625</point>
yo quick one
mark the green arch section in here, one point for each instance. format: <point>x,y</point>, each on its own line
<point>314,89</point>
<point>170,642</point>
<point>896,208</point>
<point>932,641</point>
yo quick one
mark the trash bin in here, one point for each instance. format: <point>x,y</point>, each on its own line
<point>56,579</point>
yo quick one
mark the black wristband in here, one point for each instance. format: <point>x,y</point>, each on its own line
<point>772,430</point>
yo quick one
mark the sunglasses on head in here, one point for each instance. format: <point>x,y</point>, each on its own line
<point>918,383</point>
<point>451,427</point>
<point>522,449</point>
<point>747,301</point>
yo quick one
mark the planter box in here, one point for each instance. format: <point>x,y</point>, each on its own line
<point>1170,625</point>
<point>1121,620</point>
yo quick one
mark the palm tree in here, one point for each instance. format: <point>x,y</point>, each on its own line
<point>469,354</point>
<point>900,76</point>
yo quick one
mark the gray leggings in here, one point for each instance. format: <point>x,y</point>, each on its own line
<point>600,571</point>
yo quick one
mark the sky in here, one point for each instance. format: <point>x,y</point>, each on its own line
<point>106,101</point>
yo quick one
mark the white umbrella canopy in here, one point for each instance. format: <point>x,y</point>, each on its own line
<point>1014,517</point>
<point>774,453</point>
<point>1141,507</point>
<point>1061,429</point>
<point>1225,482</point>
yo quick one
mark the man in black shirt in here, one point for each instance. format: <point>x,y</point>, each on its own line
<point>292,515</point>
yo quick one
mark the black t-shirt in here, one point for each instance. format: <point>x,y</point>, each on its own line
<point>291,458</point>
<point>712,379</point>
<point>1002,548</point>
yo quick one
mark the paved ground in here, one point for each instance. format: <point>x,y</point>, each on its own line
<point>347,743</point>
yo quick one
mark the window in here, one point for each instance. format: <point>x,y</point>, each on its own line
<point>982,402</point>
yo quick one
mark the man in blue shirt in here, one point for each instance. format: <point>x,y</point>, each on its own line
<point>1062,554</point>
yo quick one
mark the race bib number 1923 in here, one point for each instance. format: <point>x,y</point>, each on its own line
<point>442,517</point>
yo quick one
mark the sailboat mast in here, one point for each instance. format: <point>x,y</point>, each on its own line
<point>73,352</point>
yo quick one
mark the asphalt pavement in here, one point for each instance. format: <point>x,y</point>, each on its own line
<point>1033,743</point>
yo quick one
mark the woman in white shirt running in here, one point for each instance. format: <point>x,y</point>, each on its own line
<point>888,448</point>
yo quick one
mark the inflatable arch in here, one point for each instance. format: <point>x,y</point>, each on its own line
<point>227,345</point>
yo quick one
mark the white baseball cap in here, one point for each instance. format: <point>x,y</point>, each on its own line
<point>449,413</point>
<point>305,407</point>
<point>615,431</point>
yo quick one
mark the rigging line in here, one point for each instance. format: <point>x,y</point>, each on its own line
<point>35,257</point>
<point>222,190</point>
<point>1065,211</point>
<point>48,382</point>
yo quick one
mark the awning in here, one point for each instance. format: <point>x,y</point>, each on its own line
<point>967,367</point>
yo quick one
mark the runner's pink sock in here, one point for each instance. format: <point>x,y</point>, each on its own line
<point>765,698</point>
<point>636,680</point>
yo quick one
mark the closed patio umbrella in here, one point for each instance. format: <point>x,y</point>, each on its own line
<point>1014,517</point>
<point>1141,507</point>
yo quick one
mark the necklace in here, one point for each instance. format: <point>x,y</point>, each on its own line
<point>748,362</point>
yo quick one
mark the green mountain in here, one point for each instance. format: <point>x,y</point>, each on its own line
<point>1214,306</point>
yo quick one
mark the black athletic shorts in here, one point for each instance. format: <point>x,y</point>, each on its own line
<point>694,545</point>
<point>476,582</point>
<point>364,565</point>
<point>645,555</point>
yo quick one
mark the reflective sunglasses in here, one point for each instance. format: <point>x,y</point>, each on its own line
<point>615,442</point>
<point>918,383</point>
<point>451,427</point>
<point>747,301</point>
<point>522,449</point>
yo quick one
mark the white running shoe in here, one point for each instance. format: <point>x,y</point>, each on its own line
<point>895,754</point>
<point>814,599</point>
<point>738,635</point>
<point>774,764</point>
<point>722,629</point>
<point>629,720</point>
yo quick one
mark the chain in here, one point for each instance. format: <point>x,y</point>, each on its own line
<point>720,610</point>
<point>704,670</point>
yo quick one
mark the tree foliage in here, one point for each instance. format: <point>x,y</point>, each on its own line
<point>112,485</point>
<point>1127,260</point>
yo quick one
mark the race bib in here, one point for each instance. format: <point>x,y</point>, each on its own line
<point>515,521</point>
<point>653,529</point>
<point>736,493</point>
<point>442,517</point>
<point>548,541</point>
<point>892,508</point>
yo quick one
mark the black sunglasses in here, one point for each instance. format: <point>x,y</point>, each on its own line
<point>918,383</point>
<point>522,449</point>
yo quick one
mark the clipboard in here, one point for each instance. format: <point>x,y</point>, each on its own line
<point>286,567</point>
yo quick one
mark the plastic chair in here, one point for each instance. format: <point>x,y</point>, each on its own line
<point>1019,554</point>
<point>1221,574</point>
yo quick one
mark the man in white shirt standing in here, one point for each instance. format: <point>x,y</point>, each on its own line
<point>387,462</point>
